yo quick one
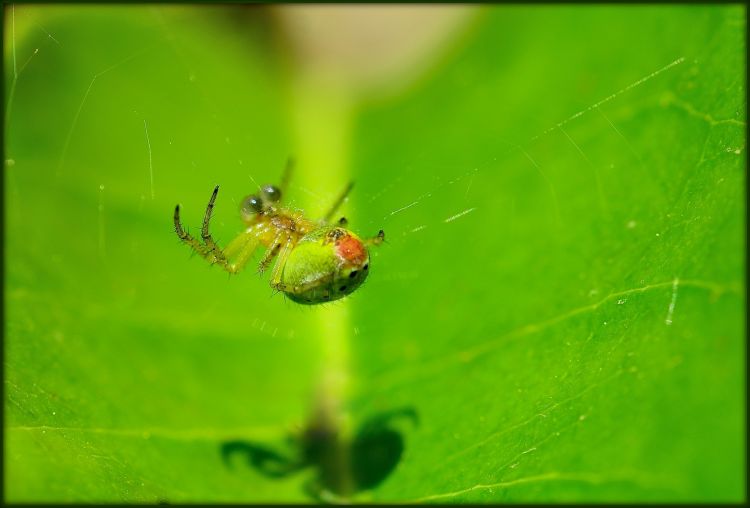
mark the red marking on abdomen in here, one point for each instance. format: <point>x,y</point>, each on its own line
<point>351,250</point>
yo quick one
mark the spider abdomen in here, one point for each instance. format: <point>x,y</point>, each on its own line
<point>325,265</point>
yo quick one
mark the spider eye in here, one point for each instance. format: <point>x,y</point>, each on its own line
<point>252,204</point>
<point>271,193</point>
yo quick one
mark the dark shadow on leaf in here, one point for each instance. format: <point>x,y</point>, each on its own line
<point>373,454</point>
<point>268,462</point>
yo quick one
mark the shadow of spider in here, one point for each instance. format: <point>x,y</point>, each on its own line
<point>373,453</point>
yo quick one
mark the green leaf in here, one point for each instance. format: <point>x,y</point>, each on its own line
<point>557,313</point>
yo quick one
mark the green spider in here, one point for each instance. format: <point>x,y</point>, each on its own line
<point>317,261</point>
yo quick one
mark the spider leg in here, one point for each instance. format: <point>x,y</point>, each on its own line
<point>377,239</point>
<point>186,237</point>
<point>244,254</point>
<point>207,239</point>
<point>278,268</point>
<point>245,243</point>
<point>238,243</point>
<point>272,250</point>
<point>339,201</point>
<point>286,176</point>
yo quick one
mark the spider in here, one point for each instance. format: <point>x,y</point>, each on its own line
<point>316,261</point>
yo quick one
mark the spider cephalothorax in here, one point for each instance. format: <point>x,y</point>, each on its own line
<point>316,261</point>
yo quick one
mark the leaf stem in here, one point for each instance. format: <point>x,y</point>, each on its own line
<point>322,119</point>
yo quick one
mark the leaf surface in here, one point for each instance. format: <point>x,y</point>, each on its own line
<point>557,314</point>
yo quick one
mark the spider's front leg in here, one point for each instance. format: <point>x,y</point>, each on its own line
<point>205,251</point>
<point>207,239</point>
<point>209,250</point>
<point>185,236</point>
<point>242,247</point>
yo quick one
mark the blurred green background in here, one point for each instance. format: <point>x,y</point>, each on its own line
<point>559,304</point>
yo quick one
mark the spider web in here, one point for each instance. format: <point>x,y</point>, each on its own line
<point>447,221</point>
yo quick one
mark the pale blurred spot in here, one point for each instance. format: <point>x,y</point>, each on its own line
<point>370,48</point>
